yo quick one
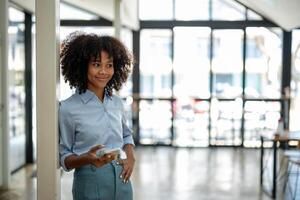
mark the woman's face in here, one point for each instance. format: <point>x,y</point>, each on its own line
<point>100,71</point>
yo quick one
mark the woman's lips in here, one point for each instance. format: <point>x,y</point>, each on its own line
<point>101,78</point>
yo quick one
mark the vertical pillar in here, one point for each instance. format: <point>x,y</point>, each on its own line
<point>4,105</point>
<point>286,77</point>
<point>47,62</point>
<point>117,19</point>
<point>28,86</point>
<point>136,87</point>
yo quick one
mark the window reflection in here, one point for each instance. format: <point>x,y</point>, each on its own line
<point>191,118</point>
<point>155,122</point>
<point>16,76</point>
<point>227,10</point>
<point>191,62</point>
<point>253,16</point>
<point>71,12</point>
<point>155,63</point>
<point>192,9</point>
<point>295,83</point>
<point>226,122</point>
<point>155,9</point>
<point>16,63</point>
<point>227,63</point>
<point>260,116</point>
<point>263,63</point>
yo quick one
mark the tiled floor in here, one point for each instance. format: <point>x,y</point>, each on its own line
<point>164,173</point>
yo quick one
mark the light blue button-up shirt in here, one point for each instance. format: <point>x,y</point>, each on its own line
<point>85,121</point>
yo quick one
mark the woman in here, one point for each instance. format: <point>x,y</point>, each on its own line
<point>94,118</point>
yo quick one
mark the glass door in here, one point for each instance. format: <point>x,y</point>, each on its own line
<point>16,67</point>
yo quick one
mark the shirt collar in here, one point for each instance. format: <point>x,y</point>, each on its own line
<point>88,95</point>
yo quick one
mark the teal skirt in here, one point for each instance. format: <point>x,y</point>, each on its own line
<point>103,183</point>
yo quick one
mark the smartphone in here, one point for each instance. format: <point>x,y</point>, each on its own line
<point>104,151</point>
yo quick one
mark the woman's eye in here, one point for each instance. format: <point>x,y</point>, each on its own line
<point>110,65</point>
<point>96,65</point>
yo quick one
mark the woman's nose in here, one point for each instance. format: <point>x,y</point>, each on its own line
<point>101,70</point>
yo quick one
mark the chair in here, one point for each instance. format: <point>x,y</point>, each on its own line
<point>292,173</point>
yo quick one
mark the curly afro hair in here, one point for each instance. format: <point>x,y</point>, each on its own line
<point>79,48</point>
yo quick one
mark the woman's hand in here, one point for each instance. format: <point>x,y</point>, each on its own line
<point>99,161</point>
<point>128,163</point>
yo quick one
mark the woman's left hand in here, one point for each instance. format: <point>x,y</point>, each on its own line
<point>128,163</point>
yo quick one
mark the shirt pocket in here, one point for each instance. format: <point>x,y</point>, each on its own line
<point>92,125</point>
<point>115,112</point>
<point>115,115</point>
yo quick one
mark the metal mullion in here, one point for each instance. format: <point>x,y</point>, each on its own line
<point>286,75</point>
<point>99,22</point>
<point>216,24</point>
<point>173,9</point>
<point>28,88</point>
<point>210,85</point>
<point>262,99</point>
<point>136,86</point>
<point>210,7</point>
<point>243,86</point>
<point>172,84</point>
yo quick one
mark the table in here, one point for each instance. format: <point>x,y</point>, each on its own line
<point>275,138</point>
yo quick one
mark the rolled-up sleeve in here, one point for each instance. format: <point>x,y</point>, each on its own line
<point>127,132</point>
<point>66,135</point>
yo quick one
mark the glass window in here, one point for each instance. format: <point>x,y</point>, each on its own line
<point>156,63</point>
<point>295,83</point>
<point>156,9</point>
<point>226,117</point>
<point>16,81</point>
<point>227,63</point>
<point>227,10</point>
<point>253,16</point>
<point>68,11</point>
<point>192,9</point>
<point>191,62</point>
<point>259,116</point>
<point>155,122</point>
<point>191,120</point>
<point>263,62</point>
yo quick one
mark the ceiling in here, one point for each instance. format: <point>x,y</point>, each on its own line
<point>103,8</point>
<point>284,13</point>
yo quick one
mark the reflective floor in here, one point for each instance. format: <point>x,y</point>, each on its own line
<point>165,173</point>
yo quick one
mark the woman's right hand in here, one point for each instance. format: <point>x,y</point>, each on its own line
<point>99,161</point>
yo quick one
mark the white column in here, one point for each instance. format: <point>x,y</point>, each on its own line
<point>117,19</point>
<point>4,122</point>
<point>47,62</point>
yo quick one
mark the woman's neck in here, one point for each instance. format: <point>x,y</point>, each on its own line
<point>99,92</point>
